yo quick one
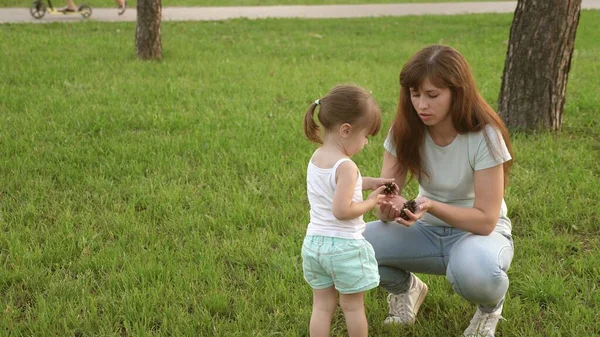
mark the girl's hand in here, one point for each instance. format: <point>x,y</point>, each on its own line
<point>423,205</point>
<point>390,208</point>
<point>377,195</point>
<point>370,183</point>
<point>382,181</point>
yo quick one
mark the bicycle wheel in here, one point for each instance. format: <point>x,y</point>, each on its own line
<point>85,11</point>
<point>37,9</point>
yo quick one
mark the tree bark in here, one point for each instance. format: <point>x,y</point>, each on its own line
<point>542,37</point>
<point>148,44</point>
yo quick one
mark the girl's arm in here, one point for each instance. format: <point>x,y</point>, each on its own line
<point>344,208</point>
<point>482,217</point>
<point>390,209</point>
<point>370,183</point>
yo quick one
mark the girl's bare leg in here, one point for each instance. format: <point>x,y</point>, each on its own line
<point>324,305</point>
<point>354,312</point>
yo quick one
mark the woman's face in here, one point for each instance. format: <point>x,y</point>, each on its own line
<point>431,103</point>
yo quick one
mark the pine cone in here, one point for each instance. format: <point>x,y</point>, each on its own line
<point>411,205</point>
<point>389,188</point>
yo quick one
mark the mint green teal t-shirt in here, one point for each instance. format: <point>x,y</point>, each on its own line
<point>451,169</point>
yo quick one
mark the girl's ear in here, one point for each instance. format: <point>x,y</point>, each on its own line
<point>345,130</point>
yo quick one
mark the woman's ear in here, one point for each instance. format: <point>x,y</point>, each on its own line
<point>345,130</point>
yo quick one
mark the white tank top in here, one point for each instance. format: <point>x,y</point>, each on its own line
<point>320,185</point>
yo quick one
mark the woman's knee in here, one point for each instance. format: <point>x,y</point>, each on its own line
<point>477,269</point>
<point>478,285</point>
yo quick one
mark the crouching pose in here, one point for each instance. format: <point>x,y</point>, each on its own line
<point>448,138</point>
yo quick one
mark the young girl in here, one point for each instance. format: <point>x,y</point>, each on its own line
<point>335,256</point>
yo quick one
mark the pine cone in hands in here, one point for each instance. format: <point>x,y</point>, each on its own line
<point>411,205</point>
<point>389,188</point>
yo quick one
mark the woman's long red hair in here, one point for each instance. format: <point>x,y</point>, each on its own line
<point>445,67</point>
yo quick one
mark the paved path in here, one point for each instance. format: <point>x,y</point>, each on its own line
<point>259,12</point>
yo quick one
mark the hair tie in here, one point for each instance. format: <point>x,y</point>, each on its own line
<point>318,102</point>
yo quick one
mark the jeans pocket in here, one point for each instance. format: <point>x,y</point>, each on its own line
<point>348,269</point>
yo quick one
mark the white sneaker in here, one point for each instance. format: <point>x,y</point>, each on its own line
<point>404,307</point>
<point>483,324</point>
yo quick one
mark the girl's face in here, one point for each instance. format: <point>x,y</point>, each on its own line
<point>431,103</point>
<point>358,139</point>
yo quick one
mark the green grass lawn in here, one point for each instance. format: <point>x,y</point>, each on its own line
<point>131,3</point>
<point>168,198</point>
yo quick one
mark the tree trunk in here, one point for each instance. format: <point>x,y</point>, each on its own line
<point>148,45</point>
<point>542,37</point>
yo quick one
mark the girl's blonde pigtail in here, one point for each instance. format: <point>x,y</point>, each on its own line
<point>311,129</point>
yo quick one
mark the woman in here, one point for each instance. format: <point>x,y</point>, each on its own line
<point>448,138</point>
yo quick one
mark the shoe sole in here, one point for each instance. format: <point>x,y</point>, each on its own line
<point>421,299</point>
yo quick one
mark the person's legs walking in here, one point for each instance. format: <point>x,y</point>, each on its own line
<point>324,305</point>
<point>71,7</point>
<point>477,271</point>
<point>354,312</point>
<point>121,5</point>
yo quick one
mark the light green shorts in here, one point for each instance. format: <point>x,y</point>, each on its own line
<point>349,264</point>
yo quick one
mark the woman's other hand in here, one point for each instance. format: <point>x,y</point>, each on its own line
<point>423,205</point>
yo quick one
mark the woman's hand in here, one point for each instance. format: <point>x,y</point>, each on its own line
<point>389,208</point>
<point>423,205</point>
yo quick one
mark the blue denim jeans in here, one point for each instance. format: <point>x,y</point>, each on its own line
<point>475,265</point>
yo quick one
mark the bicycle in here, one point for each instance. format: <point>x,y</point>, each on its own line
<point>38,9</point>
